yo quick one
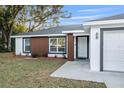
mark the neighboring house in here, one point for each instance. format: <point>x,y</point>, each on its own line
<point>101,41</point>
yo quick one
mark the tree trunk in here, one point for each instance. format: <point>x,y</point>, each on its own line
<point>9,41</point>
<point>4,39</point>
<point>9,44</point>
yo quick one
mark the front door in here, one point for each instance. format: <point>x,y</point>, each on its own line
<point>82,47</point>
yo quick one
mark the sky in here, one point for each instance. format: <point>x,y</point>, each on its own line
<point>83,13</point>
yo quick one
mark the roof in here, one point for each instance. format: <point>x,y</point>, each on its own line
<point>113,17</point>
<point>56,30</point>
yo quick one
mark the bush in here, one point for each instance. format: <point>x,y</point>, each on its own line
<point>64,56</point>
<point>35,55</point>
<point>45,55</point>
<point>2,48</point>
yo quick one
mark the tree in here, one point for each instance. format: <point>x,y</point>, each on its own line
<point>34,17</point>
<point>40,17</point>
<point>18,29</point>
<point>8,16</point>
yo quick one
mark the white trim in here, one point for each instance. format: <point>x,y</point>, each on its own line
<point>119,21</point>
<point>73,31</point>
<point>81,34</point>
<point>19,47</point>
<point>24,44</point>
<point>38,35</point>
<point>57,55</point>
<point>75,47</point>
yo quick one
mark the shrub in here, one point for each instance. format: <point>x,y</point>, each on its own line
<point>35,55</point>
<point>2,48</point>
<point>44,55</point>
<point>64,56</point>
<point>55,56</point>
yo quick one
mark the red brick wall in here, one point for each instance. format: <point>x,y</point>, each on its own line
<point>70,47</point>
<point>39,46</point>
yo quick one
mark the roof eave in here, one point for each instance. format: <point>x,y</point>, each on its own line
<point>104,22</point>
<point>46,35</point>
<point>73,31</point>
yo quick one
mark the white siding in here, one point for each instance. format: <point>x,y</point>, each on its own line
<point>95,50</point>
<point>19,47</point>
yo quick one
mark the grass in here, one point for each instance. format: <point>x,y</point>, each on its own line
<point>28,72</point>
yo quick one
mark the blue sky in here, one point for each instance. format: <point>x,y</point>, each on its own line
<point>82,13</point>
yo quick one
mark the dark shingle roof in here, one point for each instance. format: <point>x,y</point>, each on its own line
<point>56,30</point>
<point>114,17</point>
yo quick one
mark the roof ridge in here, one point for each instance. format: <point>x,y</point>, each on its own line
<point>56,30</point>
<point>107,17</point>
<point>60,26</point>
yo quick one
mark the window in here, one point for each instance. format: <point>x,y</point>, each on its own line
<point>61,44</point>
<point>53,44</point>
<point>57,45</point>
<point>26,43</point>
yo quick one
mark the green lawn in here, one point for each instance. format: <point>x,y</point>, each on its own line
<point>28,72</point>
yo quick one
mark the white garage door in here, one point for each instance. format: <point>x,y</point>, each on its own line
<point>113,50</point>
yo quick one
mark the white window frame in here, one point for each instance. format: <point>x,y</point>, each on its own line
<point>24,45</point>
<point>57,38</point>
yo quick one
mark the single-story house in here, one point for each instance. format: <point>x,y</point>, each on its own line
<point>101,41</point>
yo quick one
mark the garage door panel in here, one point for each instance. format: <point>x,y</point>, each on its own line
<point>114,55</point>
<point>114,61</point>
<point>113,50</point>
<point>113,67</point>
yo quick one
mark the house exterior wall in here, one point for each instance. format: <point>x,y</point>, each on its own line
<point>39,46</point>
<point>70,47</point>
<point>19,47</point>
<point>61,55</point>
<point>95,45</point>
<point>75,47</point>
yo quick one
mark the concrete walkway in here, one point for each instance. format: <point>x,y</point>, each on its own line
<point>81,71</point>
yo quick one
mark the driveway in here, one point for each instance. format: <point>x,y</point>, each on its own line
<point>80,70</point>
